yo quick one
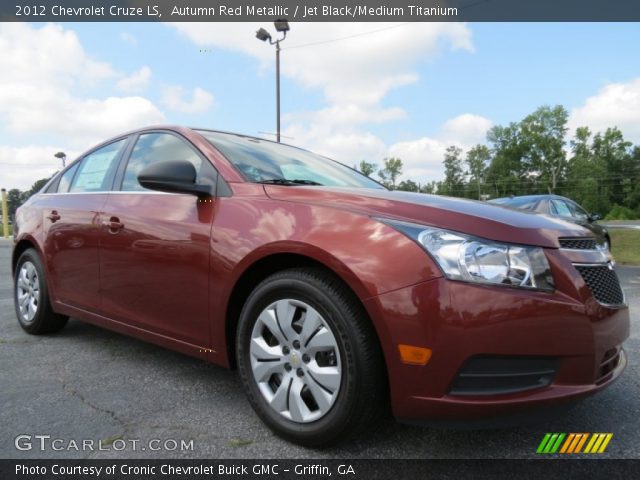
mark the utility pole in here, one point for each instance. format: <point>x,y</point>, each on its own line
<point>63,157</point>
<point>5,214</point>
<point>278,90</point>
<point>282,26</point>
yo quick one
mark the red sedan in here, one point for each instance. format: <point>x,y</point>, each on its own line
<point>331,295</point>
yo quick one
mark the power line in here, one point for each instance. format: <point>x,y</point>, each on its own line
<point>322,42</point>
<point>362,34</point>
<point>19,164</point>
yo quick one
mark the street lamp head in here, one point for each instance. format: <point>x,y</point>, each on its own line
<point>263,35</point>
<point>60,155</point>
<point>281,25</point>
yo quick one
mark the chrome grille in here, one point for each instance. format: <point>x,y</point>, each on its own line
<point>578,243</point>
<point>603,283</point>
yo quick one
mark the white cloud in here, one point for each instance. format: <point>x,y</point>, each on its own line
<point>348,146</point>
<point>46,55</point>
<point>137,81</point>
<point>360,69</point>
<point>336,131</point>
<point>338,135</point>
<point>422,158</point>
<point>45,76</point>
<point>354,75</point>
<point>24,165</point>
<point>81,121</point>
<point>467,129</point>
<point>615,104</point>
<point>346,115</point>
<point>45,93</point>
<point>174,98</point>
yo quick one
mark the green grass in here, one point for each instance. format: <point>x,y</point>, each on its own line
<point>625,245</point>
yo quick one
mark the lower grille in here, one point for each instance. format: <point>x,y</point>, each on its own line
<point>502,375</point>
<point>603,283</point>
<point>610,361</point>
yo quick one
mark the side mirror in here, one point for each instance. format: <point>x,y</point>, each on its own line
<point>176,176</point>
<point>594,217</point>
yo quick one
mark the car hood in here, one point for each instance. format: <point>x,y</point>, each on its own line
<point>466,216</point>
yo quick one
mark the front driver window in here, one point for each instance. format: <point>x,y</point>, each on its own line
<point>163,147</point>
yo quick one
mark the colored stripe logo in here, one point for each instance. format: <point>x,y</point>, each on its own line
<point>574,443</point>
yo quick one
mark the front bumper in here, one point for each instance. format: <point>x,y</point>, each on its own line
<point>461,321</point>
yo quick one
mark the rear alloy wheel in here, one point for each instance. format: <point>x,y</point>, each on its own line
<point>33,307</point>
<point>309,358</point>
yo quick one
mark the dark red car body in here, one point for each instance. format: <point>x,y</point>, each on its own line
<point>175,270</point>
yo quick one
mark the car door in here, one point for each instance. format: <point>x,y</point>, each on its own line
<point>71,225</point>
<point>154,257</point>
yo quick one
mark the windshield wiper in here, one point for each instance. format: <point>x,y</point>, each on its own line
<point>284,181</point>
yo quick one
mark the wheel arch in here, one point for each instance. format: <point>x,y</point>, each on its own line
<point>20,247</point>
<point>266,265</point>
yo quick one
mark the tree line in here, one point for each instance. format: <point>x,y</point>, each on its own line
<point>599,170</point>
<point>16,197</point>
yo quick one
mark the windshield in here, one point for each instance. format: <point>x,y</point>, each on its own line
<point>263,161</point>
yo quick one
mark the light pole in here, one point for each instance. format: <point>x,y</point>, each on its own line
<point>63,157</point>
<point>281,26</point>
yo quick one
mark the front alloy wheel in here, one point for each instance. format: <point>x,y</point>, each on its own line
<point>309,358</point>
<point>27,292</point>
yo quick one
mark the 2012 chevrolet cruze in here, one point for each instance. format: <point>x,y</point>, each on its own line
<point>331,294</point>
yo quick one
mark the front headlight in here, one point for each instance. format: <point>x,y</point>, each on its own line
<point>473,259</point>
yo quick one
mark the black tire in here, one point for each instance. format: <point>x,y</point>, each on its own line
<point>44,320</point>
<point>362,398</point>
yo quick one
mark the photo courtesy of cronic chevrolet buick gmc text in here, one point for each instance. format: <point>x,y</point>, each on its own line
<point>333,296</point>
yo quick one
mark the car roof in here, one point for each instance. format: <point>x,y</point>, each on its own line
<point>182,128</point>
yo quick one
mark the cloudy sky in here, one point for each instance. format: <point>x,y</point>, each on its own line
<point>354,92</point>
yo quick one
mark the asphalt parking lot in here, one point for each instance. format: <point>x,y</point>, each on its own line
<point>89,383</point>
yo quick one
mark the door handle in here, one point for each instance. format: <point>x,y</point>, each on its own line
<point>114,225</point>
<point>54,216</point>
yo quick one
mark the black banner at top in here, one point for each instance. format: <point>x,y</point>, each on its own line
<point>320,10</point>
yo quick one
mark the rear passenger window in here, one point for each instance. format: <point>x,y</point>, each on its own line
<point>162,147</point>
<point>96,170</point>
<point>66,178</point>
